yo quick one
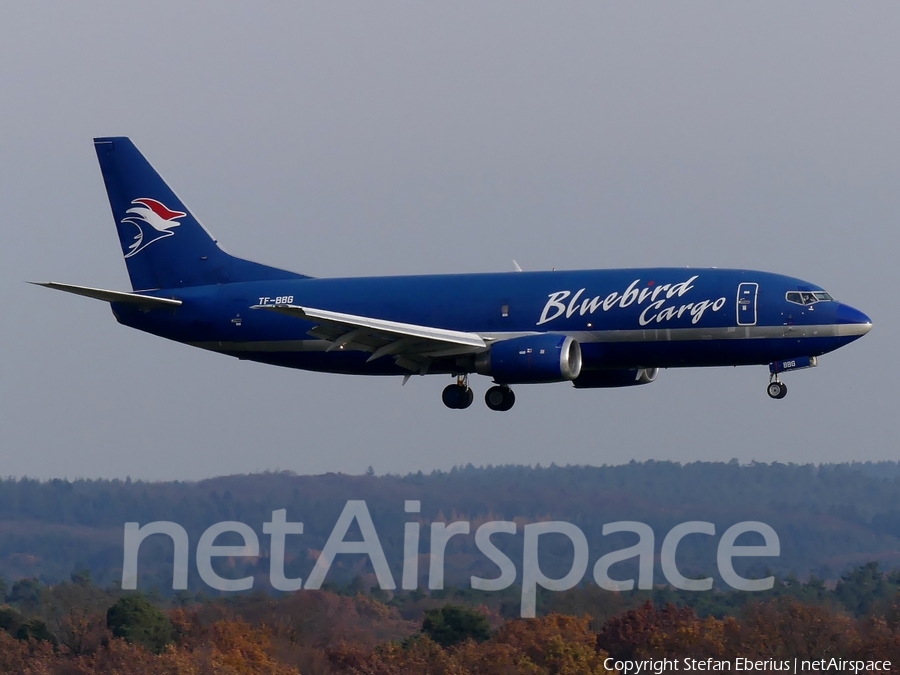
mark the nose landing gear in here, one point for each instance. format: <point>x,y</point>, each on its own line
<point>777,388</point>
<point>458,396</point>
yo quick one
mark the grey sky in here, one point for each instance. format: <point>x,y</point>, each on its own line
<point>405,138</point>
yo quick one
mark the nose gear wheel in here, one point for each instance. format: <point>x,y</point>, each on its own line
<point>776,388</point>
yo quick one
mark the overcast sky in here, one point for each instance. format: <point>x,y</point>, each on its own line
<point>342,139</point>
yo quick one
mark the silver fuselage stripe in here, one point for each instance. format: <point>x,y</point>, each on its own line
<point>640,335</point>
<point>725,333</point>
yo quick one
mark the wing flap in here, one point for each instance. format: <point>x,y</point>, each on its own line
<point>380,326</point>
<point>412,347</point>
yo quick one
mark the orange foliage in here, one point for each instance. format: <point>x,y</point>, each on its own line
<point>670,630</point>
<point>24,658</point>
<point>225,648</point>
<point>555,644</point>
<point>780,629</point>
<point>791,629</point>
<point>322,640</point>
<point>311,618</point>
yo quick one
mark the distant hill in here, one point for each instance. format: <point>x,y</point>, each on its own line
<point>828,518</point>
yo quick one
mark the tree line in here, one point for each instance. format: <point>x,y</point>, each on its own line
<point>77,627</point>
<point>829,518</point>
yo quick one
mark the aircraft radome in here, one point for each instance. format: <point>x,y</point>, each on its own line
<point>593,328</point>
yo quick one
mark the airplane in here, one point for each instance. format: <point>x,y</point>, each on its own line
<point>594,328</point>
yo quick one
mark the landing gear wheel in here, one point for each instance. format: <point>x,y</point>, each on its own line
<point>466,399</point>
<point>500,398</point>
<point>776,390</point>
<point>457,396</point>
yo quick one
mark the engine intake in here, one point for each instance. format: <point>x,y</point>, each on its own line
<point>597,379</point>
<point>531,359</point>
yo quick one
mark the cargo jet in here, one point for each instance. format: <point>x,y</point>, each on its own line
<point>593,328</point>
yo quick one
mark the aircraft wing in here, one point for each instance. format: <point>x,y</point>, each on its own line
<point>412,346</point>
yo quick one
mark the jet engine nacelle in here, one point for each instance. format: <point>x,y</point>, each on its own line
<point>596,379</point>
<point>531,359</point>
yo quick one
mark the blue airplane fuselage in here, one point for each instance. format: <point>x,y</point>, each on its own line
<point>625,318</point>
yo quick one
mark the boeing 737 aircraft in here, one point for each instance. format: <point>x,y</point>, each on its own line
<point>593,328</point>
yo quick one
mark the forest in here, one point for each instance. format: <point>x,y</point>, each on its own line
<point>77,627</point>
<point>836,588</point>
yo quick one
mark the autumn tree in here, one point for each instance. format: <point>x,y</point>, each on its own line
<point>649,631</point>
<point>76,613</point>
<point>788,629</point>
<point>549,645</point>
<point>25,658</point>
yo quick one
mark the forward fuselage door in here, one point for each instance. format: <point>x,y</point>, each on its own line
<point>746,303</point>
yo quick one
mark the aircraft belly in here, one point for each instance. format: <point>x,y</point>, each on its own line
<point>704,352</point>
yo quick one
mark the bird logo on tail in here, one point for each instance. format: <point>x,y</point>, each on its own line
<point>153,220</point>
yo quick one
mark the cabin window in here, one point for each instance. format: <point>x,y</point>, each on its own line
<point>807,297</point>
<point>504,310</point>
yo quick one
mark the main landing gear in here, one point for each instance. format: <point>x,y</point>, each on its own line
<point>459,397</point>
<point>776,388</point>
<point>500,398</point>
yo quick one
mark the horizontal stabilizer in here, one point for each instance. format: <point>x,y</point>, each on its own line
<point>147,301</point>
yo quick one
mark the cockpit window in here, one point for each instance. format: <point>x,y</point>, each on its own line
<point>807,297</point>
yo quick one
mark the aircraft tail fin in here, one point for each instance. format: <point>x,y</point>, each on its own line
<point>164,245</point>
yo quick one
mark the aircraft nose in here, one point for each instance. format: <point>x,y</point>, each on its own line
<point>852,318</point>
